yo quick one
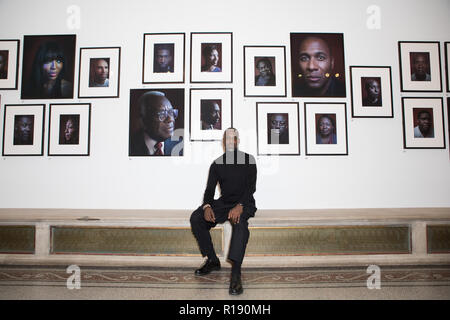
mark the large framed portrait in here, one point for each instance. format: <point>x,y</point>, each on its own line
<point>423,123</point>
<point>264,71</point>
<point>48,67</point>
<point>277,127</point>
<point>420,66</point>
<point>156,122</point>
<point>164,58</point>
<point>23,130</point>
<point>99,74</point>
<point>69,129</point>
<point>9,64</point>
<point>318,65</point>
<point>447,65</point>
<point>371,89</point>
<point>211,57</point>
<point>326,129</point>
<point>211,112</point>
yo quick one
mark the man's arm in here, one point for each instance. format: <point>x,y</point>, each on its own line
<point>251,182</point>
<point>210,190</point>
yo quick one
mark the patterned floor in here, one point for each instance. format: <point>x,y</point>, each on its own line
<point>251,277</point>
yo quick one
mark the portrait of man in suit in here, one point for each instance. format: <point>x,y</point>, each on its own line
<point>156,134</point>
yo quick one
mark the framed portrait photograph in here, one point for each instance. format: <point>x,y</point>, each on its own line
<point>9,64</point>
<point>99,74</point>
<point>69,129</point>
<point>326,129</point>
<point>423,123</point>
<point>371,89</point>
<point>163,58</point>
<point>447,64</point>
<point>420,66</point>
<point>265,71</point>
<point>211,57</point>
<point>23,130</point>
<point>156,122</point>
<point>48,67</point>
<point>318,65</point>
<point>211,112</point>
<point>277,128</point>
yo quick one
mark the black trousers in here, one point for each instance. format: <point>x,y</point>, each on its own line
<point>200,228</point>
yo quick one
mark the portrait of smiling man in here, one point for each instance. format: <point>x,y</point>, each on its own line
<point>317,65</point>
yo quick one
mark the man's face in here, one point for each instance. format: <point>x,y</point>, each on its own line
<point>278,123</point>
<point>213,114</point>
<point>157,129</point>
<point>424,121</point>
<point>420,65</point>
<point>373,89</point>
<point>325,126</point>
<point>264,69</point>
<point>101,71</point>
<point>163,58</point>
<point>316,63</point>
<point>24,128</point>
<point>230,140</point>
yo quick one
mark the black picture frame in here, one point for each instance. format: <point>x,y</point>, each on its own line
<point>429,50</point>
<point>9,79</point>
<point>447,64</point>
<point>275,59</point>
<point>176,71</point>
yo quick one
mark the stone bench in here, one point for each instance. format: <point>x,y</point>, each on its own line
<point>278,238</point>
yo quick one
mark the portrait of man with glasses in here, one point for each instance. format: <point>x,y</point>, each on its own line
<point>155,119</point>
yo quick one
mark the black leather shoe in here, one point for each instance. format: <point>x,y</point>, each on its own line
<point>236,286</point>
<point>207,267</point>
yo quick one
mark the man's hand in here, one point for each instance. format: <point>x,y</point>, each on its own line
<point>235,214</point>
<point>209,215</point>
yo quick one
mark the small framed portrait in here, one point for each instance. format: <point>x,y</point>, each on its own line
<point>326,129</point>
<point>99,75</point>
<point>264,71</point>
<point>277,127</point>
<point>48,67</point>
<point>69,129</point>
<point>156,122</point>
<point>447,65</point>
<point>420,66</point>
<point>318,65</point>
<point>164,58</point>
<point>423,123</point>
<point>211,57</point>
<point>9,64</point>
<point>211,112</point>
<point>23,130</point>
<point>371,89</point>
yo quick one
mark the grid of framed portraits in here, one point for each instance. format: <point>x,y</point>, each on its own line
<point>326,128</point>
<point>264,71</point>
<point>9,64</point>
<point>69,129</point>
<point>164,58</point>
<point>211,112</point>
<point>211,57</point>
<point>23,130</point>
<point>99,74</point>
<point>371,89</point>
<point>423,123</point>
<point>420,66</point>
<point>277,128</point>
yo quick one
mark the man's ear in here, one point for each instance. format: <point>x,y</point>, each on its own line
<point>332,64</point>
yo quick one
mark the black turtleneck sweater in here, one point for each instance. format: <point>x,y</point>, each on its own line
<point>236,173</point>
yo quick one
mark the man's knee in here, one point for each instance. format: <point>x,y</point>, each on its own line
<point>196,217</point>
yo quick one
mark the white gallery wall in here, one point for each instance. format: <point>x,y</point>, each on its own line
<point>377,173</point>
